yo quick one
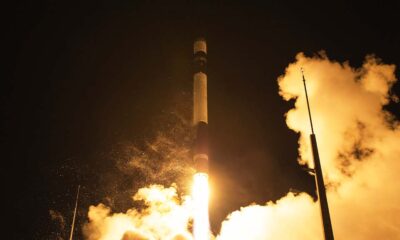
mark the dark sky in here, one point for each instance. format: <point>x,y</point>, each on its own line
<point>84,77</point>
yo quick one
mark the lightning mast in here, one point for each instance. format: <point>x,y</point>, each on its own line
<point>73,219</point>
<point>319,179</point>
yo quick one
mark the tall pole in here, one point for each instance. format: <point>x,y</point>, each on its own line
<point>75,209</point>
<point>319,179</point>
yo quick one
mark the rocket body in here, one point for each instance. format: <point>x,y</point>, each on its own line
<point>200,111</point>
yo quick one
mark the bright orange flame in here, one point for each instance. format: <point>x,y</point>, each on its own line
<point>200,193</point>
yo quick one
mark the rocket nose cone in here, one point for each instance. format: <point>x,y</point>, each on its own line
<point>200,45</point>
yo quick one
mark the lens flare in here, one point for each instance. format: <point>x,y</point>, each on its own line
<point>200,193</point>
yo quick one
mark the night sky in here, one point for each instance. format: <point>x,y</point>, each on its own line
<point>84,78</point>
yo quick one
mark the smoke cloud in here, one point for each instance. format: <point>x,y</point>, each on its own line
<point>358,143</point>
<point>164,216</point>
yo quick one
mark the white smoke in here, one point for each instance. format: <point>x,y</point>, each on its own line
<point>359,148</point>
<point>165,216</point>
<point>274,220</point>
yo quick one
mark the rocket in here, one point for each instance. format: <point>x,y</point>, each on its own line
<point>200,112</point>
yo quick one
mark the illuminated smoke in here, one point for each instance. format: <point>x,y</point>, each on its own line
<point>359,148</point>
<point>165,216</point>
<point>292,217</point>
<point>162,159</point>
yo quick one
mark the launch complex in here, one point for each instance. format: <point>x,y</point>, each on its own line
<point>201,228</point>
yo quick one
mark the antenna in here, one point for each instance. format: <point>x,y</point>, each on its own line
<point>308,102</point>
<point>319,179</point>
<point>75,209</point>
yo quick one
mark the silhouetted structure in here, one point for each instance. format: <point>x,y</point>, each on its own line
<point>75,209</point>
<point>319,179</point>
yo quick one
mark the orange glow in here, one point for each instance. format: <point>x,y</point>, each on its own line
<point>200,193</point>
<point>362,196</point>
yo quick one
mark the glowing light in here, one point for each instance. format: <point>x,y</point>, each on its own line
<point>200,193</point>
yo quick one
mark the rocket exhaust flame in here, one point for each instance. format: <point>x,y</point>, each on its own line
<point>200,194</point>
